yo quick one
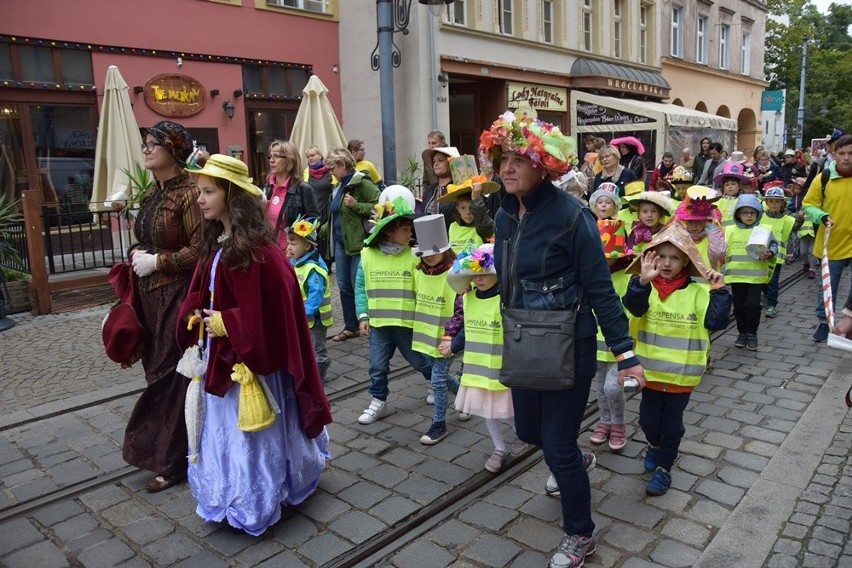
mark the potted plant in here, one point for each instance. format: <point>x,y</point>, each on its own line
<point>140,180</point>
<point>410,174</point>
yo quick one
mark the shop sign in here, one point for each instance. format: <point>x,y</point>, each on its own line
<point>590,114</point>
<point>175,95</point>
<point>772,100</point>
<point>539,97</point>
<point>634,87</point>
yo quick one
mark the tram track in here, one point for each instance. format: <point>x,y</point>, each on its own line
<point>386,542</point>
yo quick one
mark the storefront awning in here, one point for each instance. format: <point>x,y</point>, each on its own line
<point>618,79</point>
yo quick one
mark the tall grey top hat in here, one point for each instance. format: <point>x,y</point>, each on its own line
<point>431,233</point>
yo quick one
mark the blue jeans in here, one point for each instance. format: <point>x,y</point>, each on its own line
<point>772,287</point>
<point>347,268</point>
<point>661,420</point>
<point>551,421</point>
<point>442,382</point>
<point>835,269</point>
<point>383,342</point>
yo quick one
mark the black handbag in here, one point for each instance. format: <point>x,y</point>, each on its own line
<point>538,345</point>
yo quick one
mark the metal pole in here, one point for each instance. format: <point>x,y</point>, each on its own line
<point>433,73</point>
<point>800,119</point>
<point>384,17</point>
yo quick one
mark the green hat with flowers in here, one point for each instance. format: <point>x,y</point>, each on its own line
<point>384,213</point>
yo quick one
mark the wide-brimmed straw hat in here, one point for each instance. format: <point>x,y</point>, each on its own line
<point>678,236</point>
<point>659,198</point>
<point>470,263</point>
<point>541,142</point>
<point>449,151</point>
<point>464,172</point>
<point>231,169</point>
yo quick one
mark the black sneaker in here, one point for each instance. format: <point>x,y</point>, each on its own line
<point>741,341</point>
<point>751,342</point>
<point>436,433</point>
<point>821,333</point>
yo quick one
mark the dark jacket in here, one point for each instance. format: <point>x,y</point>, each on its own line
<point>300,200</point>
<point>552,250</point>
<point>352,219</point>
<point>718,312</point>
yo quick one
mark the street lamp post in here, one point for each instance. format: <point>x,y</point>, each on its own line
<point>800,117</point>
<point>392,16</point>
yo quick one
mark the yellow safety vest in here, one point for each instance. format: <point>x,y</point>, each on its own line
<point>433,308</point>
<point>462,238</point>
<point>389,284</point>
<point>620,280</point>
<point>807,229</point>
<point>483,342</point>
<point>781,227</point>
<point>302,273</point>
<point>726,207</point>
<point>739,266</point>
<point>672,342</point>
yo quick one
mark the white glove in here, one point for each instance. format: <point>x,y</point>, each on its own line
<point>144,263</point>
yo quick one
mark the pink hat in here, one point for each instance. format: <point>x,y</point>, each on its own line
<point>732,170</point>
<point>629,141</point>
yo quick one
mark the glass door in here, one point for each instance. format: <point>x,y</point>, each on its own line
<point>13,170</point>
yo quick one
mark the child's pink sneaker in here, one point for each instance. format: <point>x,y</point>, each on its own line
<point>601,434</point>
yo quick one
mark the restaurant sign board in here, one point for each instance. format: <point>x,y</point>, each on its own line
<point>175,95</point>
<point>539,97</point>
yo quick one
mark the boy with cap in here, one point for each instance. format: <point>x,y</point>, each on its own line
<point>780,222</point>
<point>384,299</point>
<point>433,308</point>
<point>312,274</point>
<point>674,318</point>
<point>747,268</point>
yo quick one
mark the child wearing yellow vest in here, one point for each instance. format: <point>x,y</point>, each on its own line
<point>384,299</point>
<point>804,230</point>
<point>674,319</point>
<point>312,274</point>
<point>472,225</point>
<point>480,392</point>
<point>780,222</point>
<point>747,271</point>
<point>697,213</point>
<point>433,308</point>
<point>652,209</point>
<point>733,181</point>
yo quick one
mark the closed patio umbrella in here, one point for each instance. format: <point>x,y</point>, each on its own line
<point>316,124</point>
<point>119,143</point>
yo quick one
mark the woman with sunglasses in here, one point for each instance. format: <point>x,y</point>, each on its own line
<point>168,228</point>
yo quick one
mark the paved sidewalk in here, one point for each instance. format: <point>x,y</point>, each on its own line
<point>763,478</point>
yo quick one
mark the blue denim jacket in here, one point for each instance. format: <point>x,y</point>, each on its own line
<point>552,249</point>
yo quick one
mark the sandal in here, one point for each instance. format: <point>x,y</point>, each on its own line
<point>161,482</point>
<point>344,335</point>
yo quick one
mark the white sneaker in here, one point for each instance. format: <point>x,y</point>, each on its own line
<point>430,396</point>
<point>552,488</point>
<point>377,409</point>
<point>463,416</point>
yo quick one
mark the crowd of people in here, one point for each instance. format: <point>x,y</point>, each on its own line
<point>649,268</point>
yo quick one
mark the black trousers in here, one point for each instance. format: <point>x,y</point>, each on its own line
<point>747,306</point>
<point>661,419</point>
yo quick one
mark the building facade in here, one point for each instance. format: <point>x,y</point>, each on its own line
<point>232,71</point>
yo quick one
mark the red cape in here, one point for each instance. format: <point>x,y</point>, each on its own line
<point>264,316</point>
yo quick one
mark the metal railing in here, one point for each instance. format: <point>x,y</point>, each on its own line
<point>16,237</point>
<point>82,240</point>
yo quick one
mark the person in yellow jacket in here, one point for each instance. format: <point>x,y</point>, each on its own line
<point>384,299</point>
<point>829,203</point>
<point>675,317</point>
<point>747,268</point>
<point>433,308</point>
<point>312,273</point>
<point>780,222</point>
<point>481,393</point>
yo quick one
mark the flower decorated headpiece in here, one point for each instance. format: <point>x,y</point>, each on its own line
<point>470,263</point>
<point>384,213</point>
<point>305,228</point>
<point>540,141</point>
<point>698,204</point>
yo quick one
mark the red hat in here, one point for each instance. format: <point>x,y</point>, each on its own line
<point>122,334</point>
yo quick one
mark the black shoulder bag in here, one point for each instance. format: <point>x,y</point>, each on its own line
<point>538,345</point>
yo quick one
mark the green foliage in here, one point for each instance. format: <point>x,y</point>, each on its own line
<point>412,171</point>
<point>9,215</point>
<point>828,77</point>
<point>140,180</point>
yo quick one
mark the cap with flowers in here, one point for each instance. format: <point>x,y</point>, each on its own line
<point>305,228</point>
<point>471,262</point>
<point>543,143</point>
<point>384,213</point>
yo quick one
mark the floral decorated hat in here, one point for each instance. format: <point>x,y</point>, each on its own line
<point>384,213</point>
<point>698,204</point>
<point>305,228</point>
<point>540,141</point>
<point>470,263</point>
